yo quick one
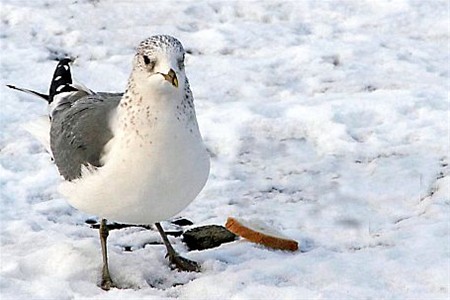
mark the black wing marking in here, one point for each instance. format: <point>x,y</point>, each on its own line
<point>43,96</point>
<point>61,80</point>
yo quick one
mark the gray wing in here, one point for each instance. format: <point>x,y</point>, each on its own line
<point>80,128</point>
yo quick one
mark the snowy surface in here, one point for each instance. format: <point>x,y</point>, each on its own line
<point>326,119</point>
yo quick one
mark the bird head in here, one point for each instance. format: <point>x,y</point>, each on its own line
<point>159,64</point>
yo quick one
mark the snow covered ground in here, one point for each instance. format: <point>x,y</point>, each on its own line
<point>326,119</point>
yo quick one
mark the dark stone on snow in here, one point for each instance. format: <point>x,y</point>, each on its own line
<point>205,237</point>
<point>182,222</point>
<point>116,226</point>
<point>91,221</point>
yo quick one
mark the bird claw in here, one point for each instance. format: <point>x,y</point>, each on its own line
<point>183,264</point>
<point>107,283</point>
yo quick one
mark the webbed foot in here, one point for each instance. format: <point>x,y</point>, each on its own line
<point>107,284</point>
<point>183,264</point>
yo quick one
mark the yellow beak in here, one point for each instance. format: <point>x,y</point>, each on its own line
<point>171,77</point>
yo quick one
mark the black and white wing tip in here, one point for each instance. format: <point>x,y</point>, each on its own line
<point>62,81</point>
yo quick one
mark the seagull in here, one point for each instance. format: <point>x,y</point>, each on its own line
<point>136,157</point>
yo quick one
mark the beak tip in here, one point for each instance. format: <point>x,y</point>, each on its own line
<point>171,77</point>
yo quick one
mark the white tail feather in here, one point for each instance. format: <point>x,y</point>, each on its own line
<point>40,129</point>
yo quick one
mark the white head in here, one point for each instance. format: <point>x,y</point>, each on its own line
<point>158,66</point>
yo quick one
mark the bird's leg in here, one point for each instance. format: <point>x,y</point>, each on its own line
<point>177,261</point>
<point>106,282</point>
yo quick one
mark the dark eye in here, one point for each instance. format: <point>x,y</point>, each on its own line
<point>146,60</point>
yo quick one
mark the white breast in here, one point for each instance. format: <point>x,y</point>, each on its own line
<point>155,165</point>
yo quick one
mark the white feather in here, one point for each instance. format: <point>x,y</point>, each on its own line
<point>40,129</point>
<point>81,87</point>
